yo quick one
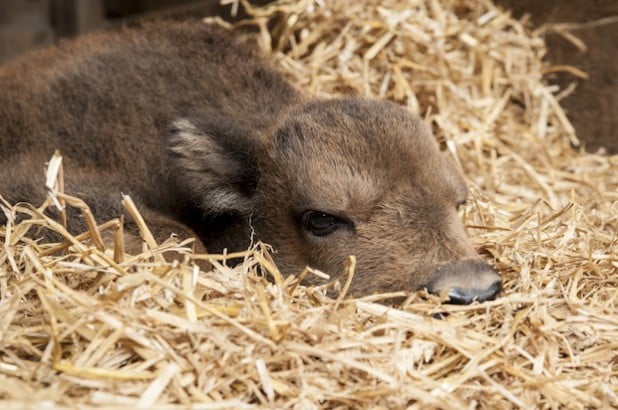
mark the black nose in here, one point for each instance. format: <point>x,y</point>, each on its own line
<point>459,296</point>
<point>465,281</point>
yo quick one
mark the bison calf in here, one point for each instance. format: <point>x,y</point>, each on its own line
<point>210,141</point>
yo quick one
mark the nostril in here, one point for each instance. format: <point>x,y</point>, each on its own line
<point>494,290</point>
<point>459,296</point>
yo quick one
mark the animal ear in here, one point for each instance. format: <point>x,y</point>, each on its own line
<point>215,163</point>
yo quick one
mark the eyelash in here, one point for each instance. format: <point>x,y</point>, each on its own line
<point>320,223</point>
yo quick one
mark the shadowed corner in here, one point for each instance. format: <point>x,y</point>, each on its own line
<point>465,282</point>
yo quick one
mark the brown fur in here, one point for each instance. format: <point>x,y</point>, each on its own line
<point>197,128</point>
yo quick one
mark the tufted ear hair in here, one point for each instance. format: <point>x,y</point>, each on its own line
<point>215,163</point>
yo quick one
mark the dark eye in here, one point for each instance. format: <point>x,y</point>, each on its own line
<point>320,223</point>
<point>461,203</point>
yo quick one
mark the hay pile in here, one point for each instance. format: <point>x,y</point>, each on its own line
<point>88,326</point>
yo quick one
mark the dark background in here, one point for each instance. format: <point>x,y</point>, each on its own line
<point>25,24</point>
<point>593,108</point>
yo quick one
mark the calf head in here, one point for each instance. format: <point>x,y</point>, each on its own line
<point>337,178</point>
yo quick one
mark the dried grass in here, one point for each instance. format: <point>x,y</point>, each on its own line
<point>93,327</point>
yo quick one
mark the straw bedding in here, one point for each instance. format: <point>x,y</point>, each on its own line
<point>82,325</point>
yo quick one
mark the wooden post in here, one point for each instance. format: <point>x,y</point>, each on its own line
<point>74,17</point>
